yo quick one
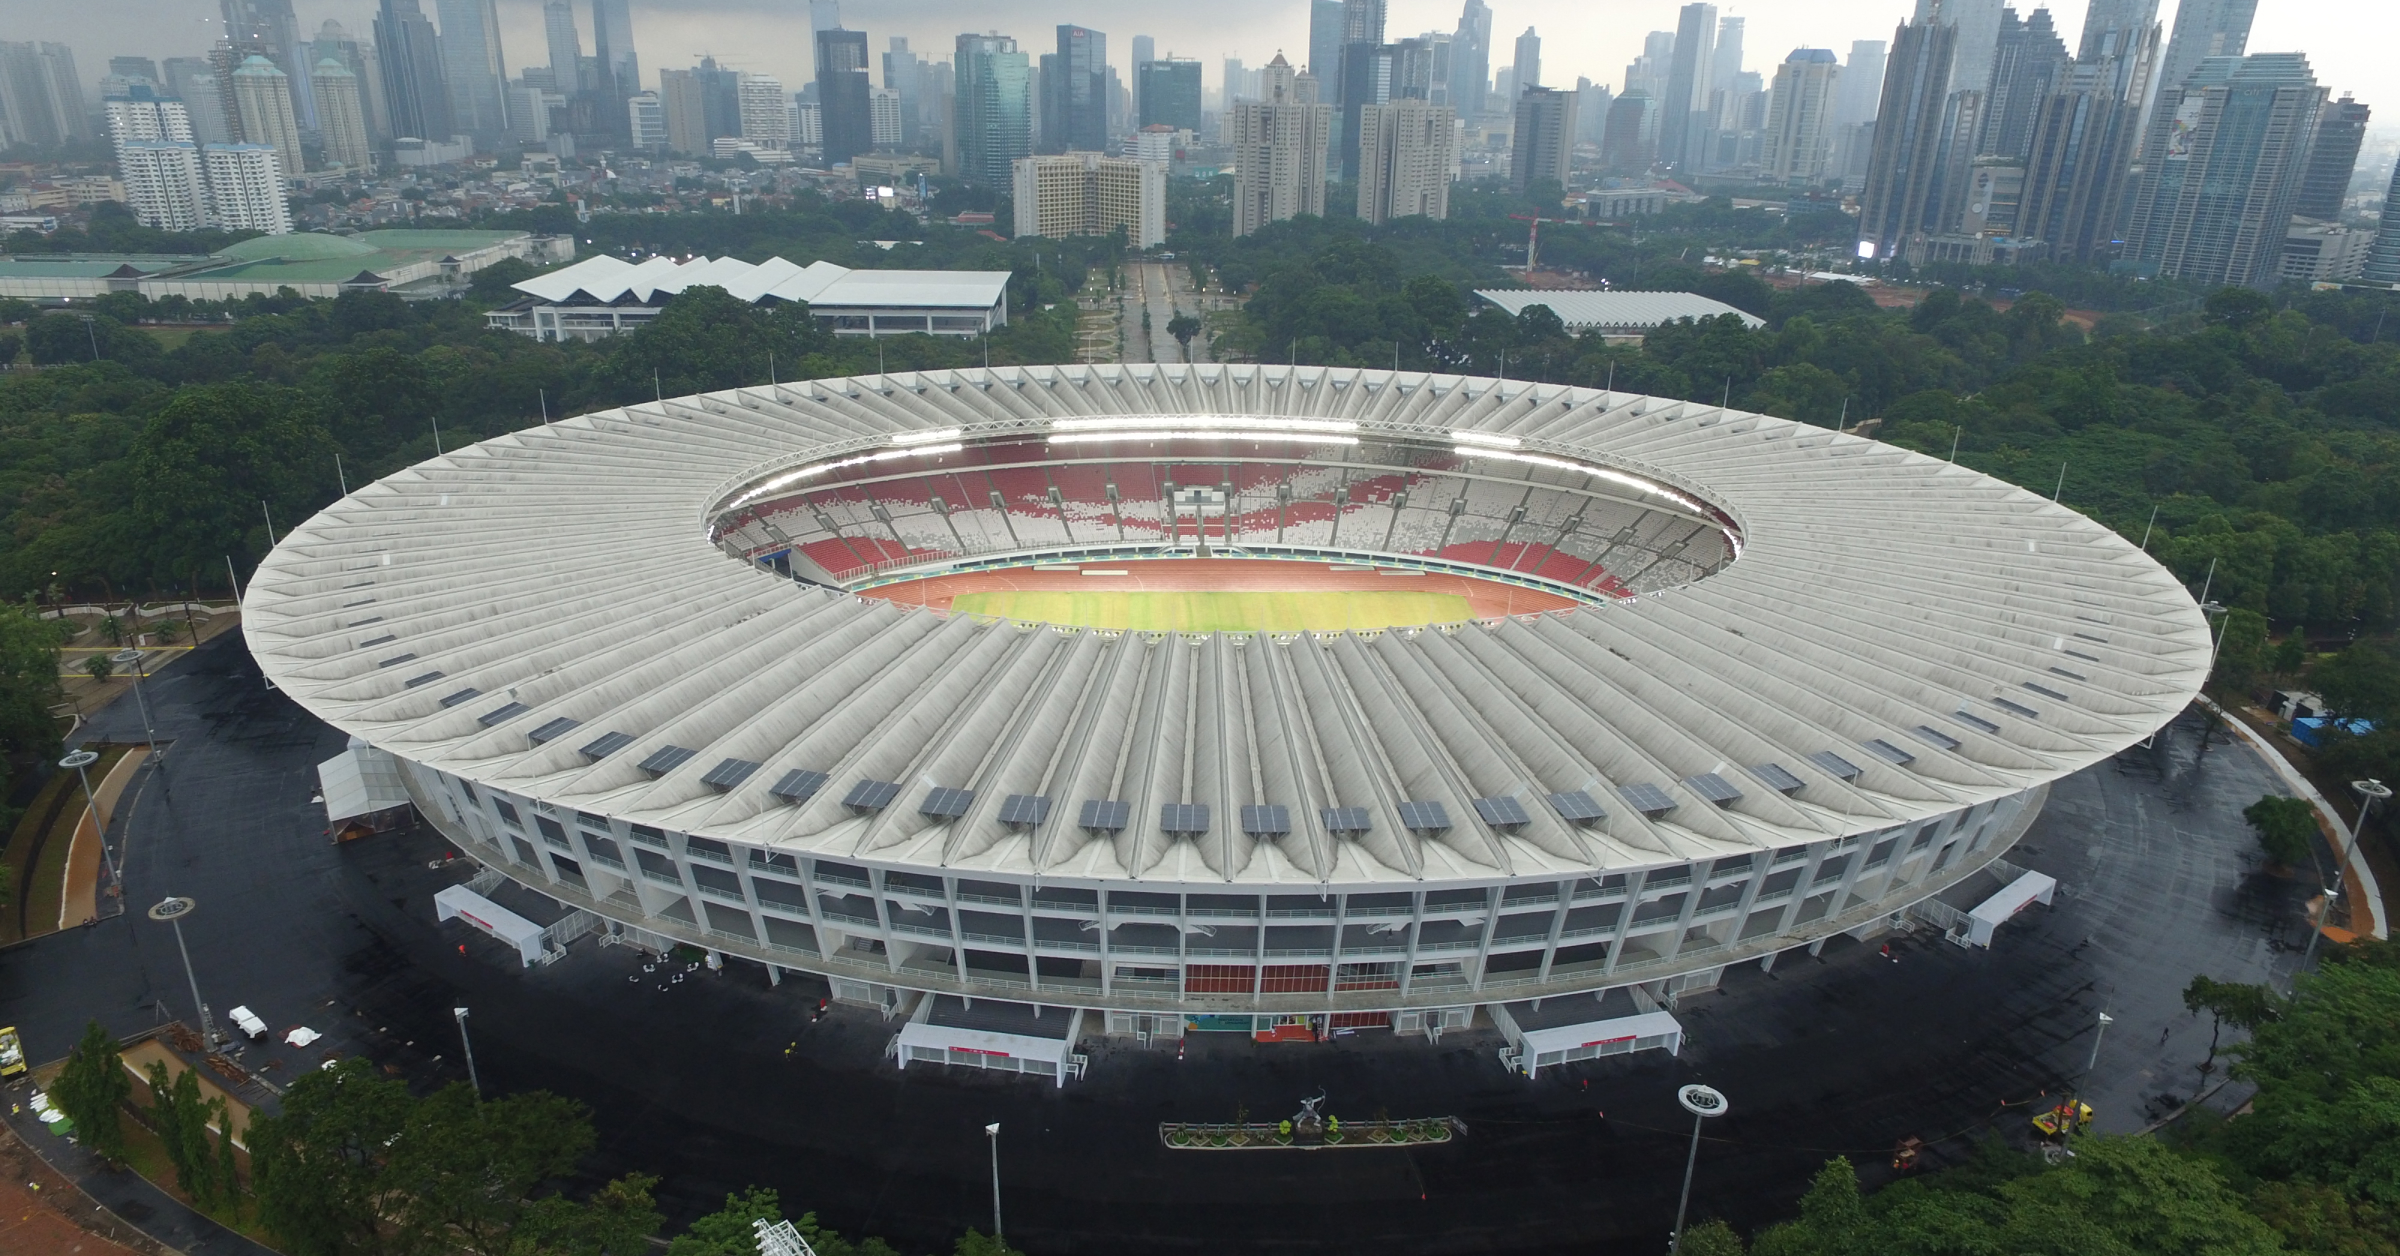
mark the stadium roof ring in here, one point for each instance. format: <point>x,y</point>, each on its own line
<point>1806,679</point>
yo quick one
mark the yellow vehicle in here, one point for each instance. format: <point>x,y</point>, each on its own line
<point>2074,1115</point>
<point>12,1052</point>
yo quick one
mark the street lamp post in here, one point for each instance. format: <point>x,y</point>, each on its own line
<point>1702,1102</point>
<point>993,1131</point>
<point>173,910</point>
<point>460,1015</point>
<point>2316,930</point>
<point>79,760</point>
<point>133,659</point>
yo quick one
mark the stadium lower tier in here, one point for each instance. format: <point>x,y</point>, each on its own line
<point>1146,953</point>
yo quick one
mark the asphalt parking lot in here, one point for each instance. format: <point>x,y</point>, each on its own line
<point>718,1082</point>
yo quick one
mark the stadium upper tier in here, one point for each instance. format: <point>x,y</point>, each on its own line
<point>1788,636</point>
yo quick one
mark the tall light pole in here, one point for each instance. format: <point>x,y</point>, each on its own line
<point>1702,1102</point>
<point>133,659</point>
<point>993,1131</point>
<point>173,910</point>
<point>460,1014</point>
<point>79,760</point>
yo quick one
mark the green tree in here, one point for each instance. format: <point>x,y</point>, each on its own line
<point>180,1119</point>
<point>2241,1005</point>
<point>468,1167</point>
<point>1183,327</point>
<point>617,1220</point>
<point>317,1166</point>
<point>2290,654</point>
<point>28,690</point>
<point>729,1231</point>
<point>99,667</point>
<point>2361,682</point>
<point>228,1173</point>
<point>209,458</point>
<point>2285,827</point>
<point>1711,1238</point>
<point>2242,648</point>
<point>92,1090</point>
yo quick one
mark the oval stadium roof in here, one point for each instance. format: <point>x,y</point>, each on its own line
<point>1611,310</point>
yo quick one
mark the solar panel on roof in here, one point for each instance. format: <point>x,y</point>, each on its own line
<point>1885,750</point>
<point>553,730</point>
<point>1028,809</point>
<point>397,659</point>
<point>1345,819</point>
<point>1836,766</point>
<point>871,795</point>
<point>385,639</point>
<point>606,744</point>
<point>666,759</point>
<point>1712,787</point>
<point>1974,721</point>
<point>945,803</point>
<point>2047,692</point>
<point>2016,708</point>
<point>430,677</point>
<point>1778,778</point>
<point>1183,817</point>
<point>461,696</point>
<point>1646,798</point>
<point>1427,816</point>
<point>1933,736</point>
<point>1502,810</point>
<point>729,773</point>
<point>502,714</point>
<point>1266,820</point>
<point>1106,815</point>
<point>798,785</point>
<point>1577,806</point>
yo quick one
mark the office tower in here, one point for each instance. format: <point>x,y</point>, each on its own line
<point>531,101</point>
<point>903,74</point>
<point>1529,60</point>
<point>268,28</point>
<point>1075,91</point>
<point>2079,164</point>
<point>766,113</point>
<point>1279,145</point>
<point>1471,59</point>
<point>1325,38</point>
<point>41,99</point>
<point>993,117</point>
<point>886,118</point>
<point>2383,259</point>
<point>341,115</point>
<point>1629,138</point>
<point>565,45</point>
<point>1170,93</point>
<point>683,107</point>
<point>616,72</point>
<point>1085,193</point>
<point>245,187</point>
<point>263,98</point>
<point>842,94</point>
<point>1725,60</point>
<point>2204,29</point>
<point>1591,110</point>
<point>1901,198</point>
<point>2105,19</point>
<point>415,96</point>
<point>1798,146</point>
<point>2028,64</point>
<point>1687,84</point>
<point>156,157</point>
<point>1233,85</point>
<point>1145,50</point>
<point>334,41</point>
<point>473,69</point>
<point>1978,25</point>
<point>2222,162</point>
<point>1544,138</point>
<point>2332,159</point>
<point>190,80</point>
<point>646,121</point>
<point>808,124</point>
<point>1406,151</point>
<point>1861,84</point>
<point>1418,69</point>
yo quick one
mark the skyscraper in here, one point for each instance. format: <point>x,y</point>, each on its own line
<point>190,80</point>
<point>1901,199</point>
<point>2332,159</point>
<point>158,160</point>
<point>1543,140</point>
<point>646,121</point>
<point>268,28</point>
<point>2204,29</point>
<point>1170,93</point>
<point>1529,60</point>
<point>1471,59</point>
<point>41,98</point>
<point>617,71</point>
<point>263,96</point>
<point>1687,84</point>
<point>341,115</point>
<point>245,188</point>
<point>1629,138</point>
<point>2222,161</point>
<point>2028,64</point>
<point>993,116</point>
<point>565,45</point>
<point>1325,38</point>
<point>2079,158</point>
<point>1978,25</point>
<point>1145,50</point>
<point>683,111</point>
<point>1725,60</point>
<point>1406,151</point>
<point>1279,145</point>
<point>1798,146</point>
<point>842,83</point>
<point>903,72</point>
<point>416,98</point>
<point>474,70</point>
<point>334,41</point>
<point>2383,260</point>
<point>766,111</point>
<point>1075,92</point>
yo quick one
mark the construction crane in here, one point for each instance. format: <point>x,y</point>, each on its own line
<point>1533,235</point>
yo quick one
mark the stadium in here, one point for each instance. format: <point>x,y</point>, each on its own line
<point>1036,703</point>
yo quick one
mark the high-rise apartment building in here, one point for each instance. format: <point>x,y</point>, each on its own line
<point>41,99</point>
<point>263,97</point>
<point>2332,159</point>
<point>1279,145</point>
<point>1471,60</point>
<point>2221,167</point>
<point>1407,149</point>
<point>341,115</point>
<point>766,110</point>
<point>2204,29</point>
<point>1170,93</point>
<point>190,80</point>
<point>1681,128</point>
<point>886,119</point>
<point>1798,145</point>
<point>2383,259</point>
<point>1902,195</point>
<point>993,118</point>
<point>646,121</point>
<point>269,29</point>
<point>335,42</point>
<point>1543,140</point>
<point>157,159</point>
<point>473,69</point>
<point>415,94</point>
<point>245,188</point>
<point>2029,63</point>
<point>1085,193</point>
<point>2079,160</point>
<point>683,111</point>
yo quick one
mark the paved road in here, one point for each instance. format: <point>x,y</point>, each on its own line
<point>717,1082</point>
<point>1163,290</point>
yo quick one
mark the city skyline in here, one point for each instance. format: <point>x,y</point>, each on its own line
<point>773,37</point>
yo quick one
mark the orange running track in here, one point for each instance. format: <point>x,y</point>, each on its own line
<point>1486,598</point>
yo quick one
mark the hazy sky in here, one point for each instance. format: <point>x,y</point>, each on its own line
<point>1589,37</point>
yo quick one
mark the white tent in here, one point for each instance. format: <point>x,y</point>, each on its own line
<point>492,918</point>
<point>359,781</point>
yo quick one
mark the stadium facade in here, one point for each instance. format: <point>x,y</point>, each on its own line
<point>1806,682</point>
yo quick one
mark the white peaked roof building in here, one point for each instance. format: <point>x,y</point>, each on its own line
<point>1612,312</point>
<point>1805,683</point>
<point>603,296</point>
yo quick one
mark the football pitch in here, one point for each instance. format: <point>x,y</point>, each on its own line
<point>1220,611</point>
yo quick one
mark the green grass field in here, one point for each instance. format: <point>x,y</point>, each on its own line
<point>1221,612</point>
